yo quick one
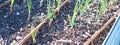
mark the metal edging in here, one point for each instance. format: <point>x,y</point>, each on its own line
<point>106,39</point>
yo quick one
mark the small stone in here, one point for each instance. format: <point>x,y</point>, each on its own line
<point>1,39</point>
<point>21,29</point>
<point>44,44</point>
<point>85,36</point>
<point>41,3</point>
<point>93,14</point>
<point>5,16</point>
<point>38,44</point>
<point>3,42</point>
<point>65,28</point>
<point>28,25</point>
<point>48,42</point>
<point>17,13</point>
<point>81,18</point>
<point>42,14</point>
<point>117,6</point>
<point>12,28</point>
<point>18,32</point>
<point>88,34</point>
<point>78,18</point>
<point>18,37</point>
<point>65,22</point>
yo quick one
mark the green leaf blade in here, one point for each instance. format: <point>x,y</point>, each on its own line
<point>12,2</point>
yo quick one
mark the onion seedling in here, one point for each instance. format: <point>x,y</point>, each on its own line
<point>13,42</point>
<point>86,3</point>
<point>58,3</point>
<point>29,4</point>
<point>82,8</point>
<point>50,10</point>
<point>112,1</point>
<point>72,21</point>
<point>103,8</point>
<point>11,5</point>
<point>33,34</point>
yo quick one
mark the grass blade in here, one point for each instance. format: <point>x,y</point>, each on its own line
<point>33,34</point>
<point>72,22</point>
<point>29,4</point>
<point>50,11</point>
<point>103,8</point>
<point>58,3</point>
<point>12,2</point>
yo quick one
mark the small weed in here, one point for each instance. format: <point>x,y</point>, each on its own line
<point>33,34</point>
<point>29,4</point>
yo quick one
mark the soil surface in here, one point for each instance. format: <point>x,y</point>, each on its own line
<point>14,25</point>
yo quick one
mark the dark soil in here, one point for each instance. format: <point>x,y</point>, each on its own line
<point>14,25</point>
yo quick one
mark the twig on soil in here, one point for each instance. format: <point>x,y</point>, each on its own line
<point>46,20</point>
<point>4,4</point>
<point>102,28</point>
<point>65,41</point>
<point>35,29</point>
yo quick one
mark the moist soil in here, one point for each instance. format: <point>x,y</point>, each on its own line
<point>14,25</point>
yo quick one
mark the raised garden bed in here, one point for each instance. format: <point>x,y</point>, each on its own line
<point>14,26</point>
